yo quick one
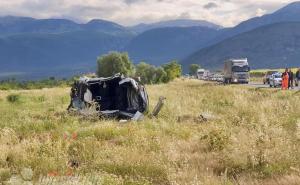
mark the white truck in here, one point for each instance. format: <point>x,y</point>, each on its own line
<point>200,73</point>
<point>236,71</point>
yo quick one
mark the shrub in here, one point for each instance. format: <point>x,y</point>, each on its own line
<point>194,68</point>
<point>173,70</point>
<point>217,140</point>
<point>13,98</point>
<point>113,63</point>
<point>41,98</point>
<point>150,74</point>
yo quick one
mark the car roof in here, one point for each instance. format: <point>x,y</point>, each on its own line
<point>278,73</point>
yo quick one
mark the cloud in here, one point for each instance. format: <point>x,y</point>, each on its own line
<point>129,12</point>
<point>210,5</point>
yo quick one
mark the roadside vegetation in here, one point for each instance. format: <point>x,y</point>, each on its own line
<point>262,72</point>
<point>12,84</point>
<point>205,134</point>
<point>115,62</point>
<point>108,65</point>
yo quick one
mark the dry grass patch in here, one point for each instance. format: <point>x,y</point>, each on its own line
<point>252,137</point>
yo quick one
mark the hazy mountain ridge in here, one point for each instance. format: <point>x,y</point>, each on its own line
<point>33,45</point>
<point>234,42</point>
<point>289,13</point>
<point>271,46</point>
<point>174,23</point>
<point>161,45</point>
<point>50,52</point>
<point>10,25</point>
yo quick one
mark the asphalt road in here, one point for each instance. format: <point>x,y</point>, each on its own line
<point>261,85</point>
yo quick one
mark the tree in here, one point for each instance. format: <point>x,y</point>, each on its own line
<point>150,74</point>
<point>173,70</point>
<point>113,63</point>
<point>194,68</point>
<point>160,75</point>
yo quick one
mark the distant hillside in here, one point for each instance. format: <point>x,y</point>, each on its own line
<point>11,25</point>
<point>289,13</point>
<point>271,46</point>
<point>59,46</point>
<point>174,23</point>
<point>160,45</point>
<point>48,53</point>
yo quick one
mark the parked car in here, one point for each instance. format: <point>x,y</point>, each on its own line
<point>275,80</point>
<point>266,79</point>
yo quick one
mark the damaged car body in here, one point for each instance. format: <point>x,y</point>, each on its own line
<point>112,97</point>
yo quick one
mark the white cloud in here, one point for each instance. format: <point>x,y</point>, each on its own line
<point>129,12</point>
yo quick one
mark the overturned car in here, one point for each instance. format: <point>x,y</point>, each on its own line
<point>116,97</point>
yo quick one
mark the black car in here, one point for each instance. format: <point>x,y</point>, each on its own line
<point>115,96</point>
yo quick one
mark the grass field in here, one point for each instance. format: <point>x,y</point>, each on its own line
<point>251,136</point>
<point>265,70</point>
<point>262,72</point>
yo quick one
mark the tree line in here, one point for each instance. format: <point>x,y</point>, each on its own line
<point>109,65</point>
<point>13,84</point>
<point>115,62</point>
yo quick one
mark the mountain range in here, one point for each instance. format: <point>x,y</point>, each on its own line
<point>267,41</point>
<point>270,46</point>
<point>60,47</point>
<point>140,28</point>
<point>289,13</point>
<point>10,25</point>
<point>160,45</point>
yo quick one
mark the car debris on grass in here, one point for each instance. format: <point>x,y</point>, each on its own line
<point>114,97</point>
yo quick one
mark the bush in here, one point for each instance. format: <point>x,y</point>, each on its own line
<point>194,68</point>
<point>113,63</point>
<point>217,140</point>
<point>173,70</point>
<point>13,98</point>
<point>150,74</point>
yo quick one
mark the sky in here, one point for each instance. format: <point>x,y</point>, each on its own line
<point>130,12</point>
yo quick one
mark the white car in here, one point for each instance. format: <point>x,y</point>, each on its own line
<point>220,78</point>
<point>276,80</point>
